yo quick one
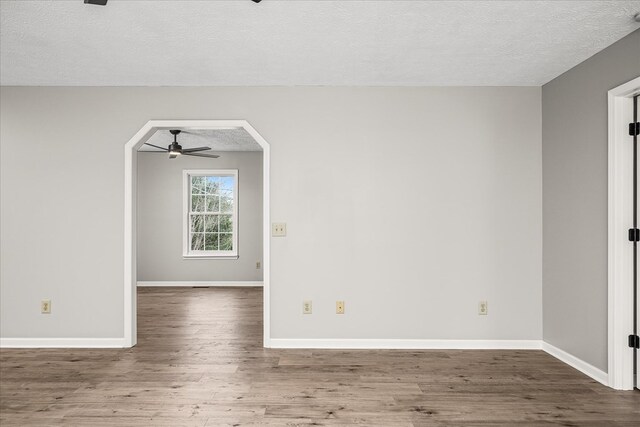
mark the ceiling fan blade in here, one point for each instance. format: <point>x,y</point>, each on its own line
<point>155,146</point>
<point>193,150</point>
<point>213,156</point>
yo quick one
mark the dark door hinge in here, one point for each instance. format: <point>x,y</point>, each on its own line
<point>634,341</point>
<point>634,129</point>
<point>634,235</point>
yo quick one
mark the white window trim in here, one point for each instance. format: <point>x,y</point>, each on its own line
<point>187,253</point>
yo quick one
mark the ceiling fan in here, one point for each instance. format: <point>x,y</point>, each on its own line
<point>174,149</point>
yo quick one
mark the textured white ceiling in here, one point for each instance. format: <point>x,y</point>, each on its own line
<point>238,42</point>
<point>232,139</point>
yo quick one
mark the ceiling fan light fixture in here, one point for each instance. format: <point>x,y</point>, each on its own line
<point>175,150</point>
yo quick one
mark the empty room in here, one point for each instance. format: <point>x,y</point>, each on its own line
<point>297,212</point>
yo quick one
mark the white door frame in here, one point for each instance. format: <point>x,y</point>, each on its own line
<point>130,191</point>
<point>620,257</point>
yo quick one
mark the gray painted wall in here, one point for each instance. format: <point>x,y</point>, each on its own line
<point>411,204</point>
<point>159,228</point>
<point>574,149</point>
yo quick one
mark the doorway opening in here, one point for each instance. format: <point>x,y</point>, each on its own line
<point>622,296</point>
<point>130,207</point>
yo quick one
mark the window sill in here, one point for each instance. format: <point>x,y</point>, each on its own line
<point>205,256</point>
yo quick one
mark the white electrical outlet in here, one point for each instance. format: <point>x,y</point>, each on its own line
<point>483,308</point>
<point>45,306</point>
<point>279,229</point>
<point>257,265</point>
<point>306,307</point>
<point>339,307</point>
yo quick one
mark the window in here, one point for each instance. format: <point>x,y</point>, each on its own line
<point>210,213</point>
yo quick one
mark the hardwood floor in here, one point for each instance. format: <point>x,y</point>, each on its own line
<point>199,362</point>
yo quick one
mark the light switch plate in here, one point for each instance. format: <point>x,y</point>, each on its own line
<point>279,229</point>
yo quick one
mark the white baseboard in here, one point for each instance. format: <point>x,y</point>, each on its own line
<point>191,284</point>
<point>410,344</point>
<point>580,365</point>
<point>62,343</point>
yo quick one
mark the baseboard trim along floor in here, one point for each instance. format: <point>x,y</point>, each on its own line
<point>62,343</point>
<point>191,284</point>
<point>579,364</point>
<point>408,344</point>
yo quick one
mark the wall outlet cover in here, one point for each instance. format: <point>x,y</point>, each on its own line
<point>45,306</point>
<point>483,308</point>
<point>307,307</point>
<point>339,307</point>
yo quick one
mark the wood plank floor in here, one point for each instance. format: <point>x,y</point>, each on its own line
<point>199,362</point>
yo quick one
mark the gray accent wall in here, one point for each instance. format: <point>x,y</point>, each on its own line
<point>160,219</point>
<point>574,159</point>
<point>410,204</point>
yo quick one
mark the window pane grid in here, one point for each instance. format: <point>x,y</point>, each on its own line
<point>211,213</point>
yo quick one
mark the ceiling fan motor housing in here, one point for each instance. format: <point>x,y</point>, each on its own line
<point>175,147</point>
